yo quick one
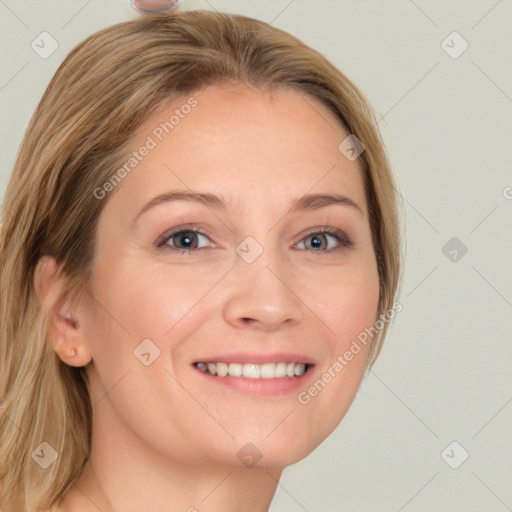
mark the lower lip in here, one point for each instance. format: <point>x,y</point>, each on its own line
<point>277,386</point>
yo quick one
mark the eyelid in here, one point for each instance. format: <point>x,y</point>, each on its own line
<point>162,240</point>
<point>340,234</point>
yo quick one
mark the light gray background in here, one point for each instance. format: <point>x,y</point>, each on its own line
<point>444,374</point>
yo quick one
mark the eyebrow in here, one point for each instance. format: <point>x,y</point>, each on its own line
<point>305,203</point>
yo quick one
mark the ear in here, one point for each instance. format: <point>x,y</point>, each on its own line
<point>64,328</point>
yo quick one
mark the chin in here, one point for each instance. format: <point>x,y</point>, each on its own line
<point>279,448</point>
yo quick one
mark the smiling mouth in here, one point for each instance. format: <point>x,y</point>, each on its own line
<point>254,371</point>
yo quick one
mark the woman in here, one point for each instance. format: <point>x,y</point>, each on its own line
<point>199,260</point>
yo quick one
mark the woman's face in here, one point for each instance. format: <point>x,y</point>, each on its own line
<point>250,279</point>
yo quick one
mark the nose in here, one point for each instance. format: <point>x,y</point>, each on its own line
<point>262,295</point>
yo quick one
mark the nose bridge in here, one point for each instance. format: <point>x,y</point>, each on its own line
<point>260,258</point>
<point>262,293</point>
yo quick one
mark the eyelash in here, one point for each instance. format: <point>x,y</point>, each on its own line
<point>339,234</point>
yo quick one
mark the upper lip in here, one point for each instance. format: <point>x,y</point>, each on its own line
<point>257,358</point>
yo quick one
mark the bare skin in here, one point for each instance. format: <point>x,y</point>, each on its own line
<point>166,435</point>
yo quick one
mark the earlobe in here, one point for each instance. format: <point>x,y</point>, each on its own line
<point>63,325</point>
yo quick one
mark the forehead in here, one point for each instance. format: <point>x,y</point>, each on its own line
<point>246,143</point>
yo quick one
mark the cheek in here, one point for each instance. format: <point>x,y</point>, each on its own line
<point>348,302</point>
<point>151,303</point>
<point>347,309</point>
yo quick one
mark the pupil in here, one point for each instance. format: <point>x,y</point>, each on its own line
<point>316,242</point>
<point>187,239</point>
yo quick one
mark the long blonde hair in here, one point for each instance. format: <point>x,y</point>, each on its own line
<point>103,91</point>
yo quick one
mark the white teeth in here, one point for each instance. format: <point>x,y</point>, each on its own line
<point>254,371</point>
<point>300,368</point>
<point>268,371</point>
<point>281,370</point>
<point>222,369</point>
<point>251,371</point>
<point>235,370</point>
